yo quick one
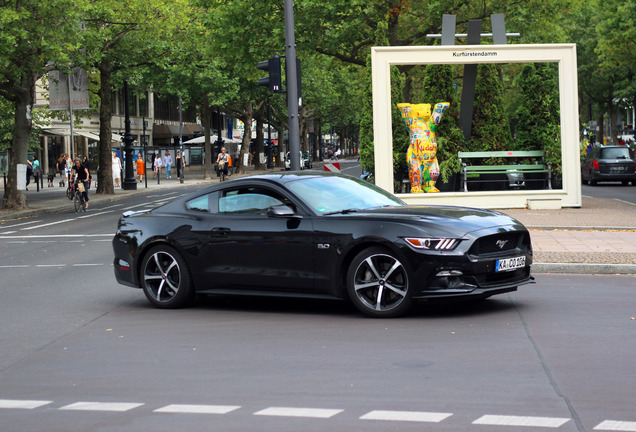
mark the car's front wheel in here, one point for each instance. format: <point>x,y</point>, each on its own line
<point>165,278</point>
<point>378,283</point>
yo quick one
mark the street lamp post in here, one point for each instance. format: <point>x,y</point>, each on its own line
<point>130,183</point>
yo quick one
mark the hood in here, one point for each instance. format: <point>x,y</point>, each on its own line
<point>446,218</point>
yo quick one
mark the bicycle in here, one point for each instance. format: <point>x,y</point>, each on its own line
<point>78,200</point>
<point>70,190</point>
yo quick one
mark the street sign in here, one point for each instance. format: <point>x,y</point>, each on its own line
<point>332,166</point>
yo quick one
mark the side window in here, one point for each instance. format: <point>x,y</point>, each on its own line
<point>249,201</point>
<point>205,203</point>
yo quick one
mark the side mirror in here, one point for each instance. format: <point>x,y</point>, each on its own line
<point>281,211</point>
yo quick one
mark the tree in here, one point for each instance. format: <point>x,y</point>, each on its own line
<point>119,39</point>
<point>490,131</point>
<point>538,113</point>
<point>35,35</point>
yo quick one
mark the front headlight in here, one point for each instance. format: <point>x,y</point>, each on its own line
<point>445,244</point>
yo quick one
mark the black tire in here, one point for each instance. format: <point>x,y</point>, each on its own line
<point>77,202</point>
<point>165,278</point>
<point>378,284</point>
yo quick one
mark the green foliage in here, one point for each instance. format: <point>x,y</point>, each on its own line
<point>490,130</point>
<point>537,115</point>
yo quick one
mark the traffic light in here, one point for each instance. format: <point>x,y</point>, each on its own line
<point>273,81</point>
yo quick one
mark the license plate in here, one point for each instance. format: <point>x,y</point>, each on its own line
<point>510,263</point>
<point>617,169</point>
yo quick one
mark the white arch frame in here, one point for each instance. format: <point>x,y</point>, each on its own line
<point>382,58</point>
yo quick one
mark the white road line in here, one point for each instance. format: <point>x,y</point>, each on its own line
<point>113,206</point>
<point>95,214</point>
<point>15,266</point>
<point>51,265</point>
<point>138,205</point>
<point>101,406</point>
<point>299,412</point>
<point>22,404</point>
<point>414,416</point>
<point>87,265</point>
<point>197,409</point>
<point>8,232</point>
<point>20,224</point>
<point>614,425</point>
<point>48,224</point>
<point>499,420</point>
<point>30,237</point>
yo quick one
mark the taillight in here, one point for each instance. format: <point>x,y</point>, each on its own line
<point>595,162</point>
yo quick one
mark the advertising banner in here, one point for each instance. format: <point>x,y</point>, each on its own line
<point>59,94</point>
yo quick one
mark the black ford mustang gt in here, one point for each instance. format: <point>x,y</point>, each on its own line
<point>318,235</point>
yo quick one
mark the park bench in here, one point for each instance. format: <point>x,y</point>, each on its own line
<point>514,173</point>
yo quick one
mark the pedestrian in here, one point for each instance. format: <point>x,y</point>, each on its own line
<point>29,173</point>
<point>141,167</point>
<point>180,162</point>
<point>37,171</point>
<point>68,168</point>
<point>167,162</point>
<point>222,162</point>
<point>61,167</point>
<point>158,165</point>
<point>116,170</point>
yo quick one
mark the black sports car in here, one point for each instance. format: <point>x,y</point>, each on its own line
<point>320,235</point>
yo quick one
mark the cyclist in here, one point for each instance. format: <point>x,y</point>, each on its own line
<point>80,173</point>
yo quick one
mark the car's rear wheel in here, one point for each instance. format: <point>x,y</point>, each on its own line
<point>165,278</point>
<point>378,283</point>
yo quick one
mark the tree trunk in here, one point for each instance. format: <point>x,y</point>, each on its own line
<point>105,171</point>
<point>246,118</point>
<point>260,147</point>
<point>24,96</point>
<point>206,117</point>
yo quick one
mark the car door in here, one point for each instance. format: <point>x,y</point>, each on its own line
<point>249,249</point>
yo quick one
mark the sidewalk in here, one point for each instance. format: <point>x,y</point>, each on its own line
<point>598,238</point>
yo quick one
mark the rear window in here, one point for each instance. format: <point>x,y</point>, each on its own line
<point>615,153</point>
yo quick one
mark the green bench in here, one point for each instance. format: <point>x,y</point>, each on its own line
<point>468,162</point>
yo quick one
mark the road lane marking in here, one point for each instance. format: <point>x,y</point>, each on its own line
<point>22,404</point>
<point>138,205</point>
<point>48,224</point>
<point>15,266</point>
<point>614,425</point>
<point>500,420</point>
<point>8,232</point>
<point>50,265</point>
<point>95,214</point>
<point>414,416</point>
<point>101,406</point>
<point>197,409</point>
<point>299,412</point>
<point>87,265</point>
<point>20,224</point>
<point>30,236</point>
<point>113,206</point>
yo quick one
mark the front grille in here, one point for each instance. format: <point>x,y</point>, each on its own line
<point>501,242</point>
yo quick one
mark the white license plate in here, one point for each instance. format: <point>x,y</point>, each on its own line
<point>617,169</point>
<point>510,263</point>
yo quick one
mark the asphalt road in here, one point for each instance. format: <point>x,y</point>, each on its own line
<point>611,190</point>
<point>78,352</point>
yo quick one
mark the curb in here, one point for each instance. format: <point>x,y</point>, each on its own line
<point>580,268</point>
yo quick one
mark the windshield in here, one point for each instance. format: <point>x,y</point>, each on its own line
<point>336,194</point>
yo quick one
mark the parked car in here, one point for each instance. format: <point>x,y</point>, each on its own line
<point>288,161</point>
<point>305,160</point>
<point>609,163</point>
<point>318,235</point>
